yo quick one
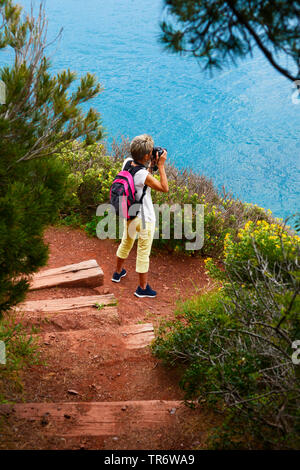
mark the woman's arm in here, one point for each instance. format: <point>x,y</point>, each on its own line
<point>161,185</point>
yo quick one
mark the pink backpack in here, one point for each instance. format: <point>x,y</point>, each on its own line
<point>123,187</point>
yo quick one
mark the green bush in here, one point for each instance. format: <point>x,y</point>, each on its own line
<point>272,241</point>
<point>91,172</point>
<point>39,113</point>
<point>90,175</point>
<point>21,351</point>
<point>234,345</point>
<point>223,214</point>
<point>30,198</point>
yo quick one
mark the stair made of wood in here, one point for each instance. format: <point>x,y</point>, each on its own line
<point>97,418</point>
<point>74,313</point>
<point>100,339</point>
<point>85,274</point>
<point>67,303</point>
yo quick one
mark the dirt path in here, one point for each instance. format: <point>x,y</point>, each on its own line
<point>100,387</point>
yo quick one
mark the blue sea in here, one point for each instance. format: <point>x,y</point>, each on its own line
<point>239,127</point>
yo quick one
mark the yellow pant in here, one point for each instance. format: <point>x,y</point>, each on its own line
<point>145,238</point>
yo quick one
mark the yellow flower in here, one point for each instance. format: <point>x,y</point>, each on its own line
<point>247,225</point>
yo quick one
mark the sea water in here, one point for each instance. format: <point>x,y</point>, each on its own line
<point>239,127</point>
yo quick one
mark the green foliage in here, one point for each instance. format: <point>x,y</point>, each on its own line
<point>178,194</point>
<point>28,202</point>
<point>256,239</point>
<point>90,175</point>
<point>234,345</point>
<point>102,306</point>
<point>39,113</point>
<point>90,227</point>
<point>218,32</point>
<point>11,16</point>
<point>223,214</point>
<point>21,351</point>
<point>71,220</point>
<point>177,338</point>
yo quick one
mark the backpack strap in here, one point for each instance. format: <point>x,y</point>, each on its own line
<point>133,170</point>
<point>142,207</point>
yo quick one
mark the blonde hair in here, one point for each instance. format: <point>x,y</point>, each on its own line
<point>140,146</point>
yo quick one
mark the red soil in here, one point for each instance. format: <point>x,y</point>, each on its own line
<point>97,366</point>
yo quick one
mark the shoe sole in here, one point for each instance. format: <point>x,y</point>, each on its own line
<point>123,275</point>
<point>141,296</point>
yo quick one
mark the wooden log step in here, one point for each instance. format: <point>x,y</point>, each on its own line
<point>84,274</point>
<point>97,418</point>
<point>80,319</point>
<point>88,264</point>
<point>95,340</point>
<point>72,303</point>
<point>137,336</point>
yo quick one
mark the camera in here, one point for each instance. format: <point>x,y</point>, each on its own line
<point>160,151</point>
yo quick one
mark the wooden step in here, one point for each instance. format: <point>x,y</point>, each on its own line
<point>79,319</point>
<point>72,303</point>
<point>137,336</point>
<point>97,418</point>
<point>84,274</point>
<point>99,339</point>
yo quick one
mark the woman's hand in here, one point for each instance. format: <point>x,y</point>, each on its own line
<point>153,162</point>
<point>157,185</point>
<point>162,158</point>
<point>162,184</point>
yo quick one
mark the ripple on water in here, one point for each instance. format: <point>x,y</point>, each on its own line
<point>239,127</point>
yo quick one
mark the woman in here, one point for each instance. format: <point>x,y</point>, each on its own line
<point>141,149</point>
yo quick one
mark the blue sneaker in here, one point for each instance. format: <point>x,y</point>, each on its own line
<point>148,292</point>
<point>117,276</point>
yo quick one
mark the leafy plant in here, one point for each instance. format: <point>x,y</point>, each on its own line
<point>99,306</point>
<point>223,214</point>
<point>91,172</point>
<point>220,32</point>
<point>38,114</point>
<point>257,240</point>
<point>90,175</point>
<point>21,351</point>
<point>234,345</point>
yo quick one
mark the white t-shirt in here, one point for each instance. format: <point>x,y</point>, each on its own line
<point>139,181</point>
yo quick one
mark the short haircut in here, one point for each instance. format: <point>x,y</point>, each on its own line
<point>140,146</point>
